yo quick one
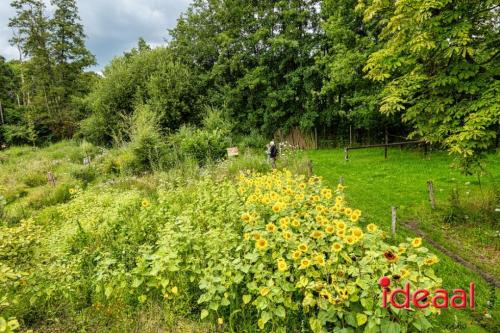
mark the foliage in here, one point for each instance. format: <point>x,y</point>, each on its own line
<point>439,64</point>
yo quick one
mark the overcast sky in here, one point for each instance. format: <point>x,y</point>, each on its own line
<point>112,26</point>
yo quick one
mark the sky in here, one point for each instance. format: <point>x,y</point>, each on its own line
<point>111,26</point>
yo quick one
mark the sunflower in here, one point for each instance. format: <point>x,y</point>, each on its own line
<point>284,222</point>
<point>287,235</point>
<point>304,263</point>
<point>431,260</point>
<point>270,227</point>
<point>277,208</point>
<point>405,273</point>
<point>317,234</point>
<point>329,229</point>
<point>371,227</point>
<point>246,236</point>
<point>357,232</point>
<point>282,266</point>
<point>261,244</point>
<point>302,186</point>
<point>350,240</point>
<point>296,254</point>
<point>344,294</point>
<point>264,291</point>
<point>325,294</point>
<point>341,233</point>
<point>174,290</point>
<point>348,211</point>
<point>303,247</point>
<point>337,247</point>
<point>416,242</point>
<point>391,256</point>
<point>401,249</point>
<point>257,236</point>
<point>340,224</point>
<point>319,260</point>
<point>340,187</point>
<point>295,223</point>
<point>220,321</point>
<point>354,217</point>
<point>145,203</point>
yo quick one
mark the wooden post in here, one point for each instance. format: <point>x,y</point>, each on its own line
<point>309,168</point>
<point>346,153</point>
<point>350,135</point>
<point>316,137</point>
<point>51,179</point>
<point>432,198</point>
<point>393,225</point>
<point>341,180</point>
<point>1,113</point>
<point>386,142</point>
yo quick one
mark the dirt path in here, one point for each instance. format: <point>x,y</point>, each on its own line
<point>413,225</point>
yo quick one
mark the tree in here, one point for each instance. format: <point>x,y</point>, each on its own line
<point>439,63</point>
<point>67,47</point>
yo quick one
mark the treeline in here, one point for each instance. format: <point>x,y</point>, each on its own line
<point>422,69</point>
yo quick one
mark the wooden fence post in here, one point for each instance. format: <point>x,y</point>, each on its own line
<point>393,223</point>
<point>432,198</point>
<point>346,153</point>
<point>341,180</point>
<point>51,179</point>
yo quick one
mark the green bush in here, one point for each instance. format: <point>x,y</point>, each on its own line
<point>203,145</point>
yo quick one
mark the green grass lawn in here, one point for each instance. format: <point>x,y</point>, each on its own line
<point>374,185</point>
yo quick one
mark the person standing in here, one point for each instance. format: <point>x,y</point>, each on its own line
<point>273,153</point>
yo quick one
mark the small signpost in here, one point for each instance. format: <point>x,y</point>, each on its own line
<point>232,151</point>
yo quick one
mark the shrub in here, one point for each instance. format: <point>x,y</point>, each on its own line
<point>203,145</point>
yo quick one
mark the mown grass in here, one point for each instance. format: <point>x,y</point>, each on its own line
<point>374,185</point>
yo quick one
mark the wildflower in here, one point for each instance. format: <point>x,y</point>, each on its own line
<point>270,227</point>
<point>302,186</point>
<point>348,211</point>
<point>325,294</point>
<point>220,321</point>
<point>261,244</point>
<point>257,236</point>
<point>337,247</point>
<point>329,229</point>
<point>145,203</point>
<point>340,187</point>
<point>295,223</point>
<point>72,191</point>
<point>264,291</point>
<point>341,233</point>
<point>305,263</point>
<point>416,242</point>
<point>405,273</point>
<point>296,254</point>
<point>371,227</point>
<point>282,266</point>
<point>354,217</point>
<point>317,234</point>
<point>303,247</point>
<point>246,236</point>
<point>401,249</point>
<point>174,290</point>
<point>391,256</point>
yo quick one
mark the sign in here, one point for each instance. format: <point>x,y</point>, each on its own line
<point>233,151</point>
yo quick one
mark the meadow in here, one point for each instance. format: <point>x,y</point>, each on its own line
<point>229,246</point>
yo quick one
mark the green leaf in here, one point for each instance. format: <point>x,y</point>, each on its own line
<point>361,319</point>
<point>247,299</point>
<point>204,314</point>
<point>280,312</point>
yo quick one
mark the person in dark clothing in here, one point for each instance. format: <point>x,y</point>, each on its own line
<point>273,153</point>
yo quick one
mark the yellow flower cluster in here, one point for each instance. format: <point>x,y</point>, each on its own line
<point>304,233</point>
